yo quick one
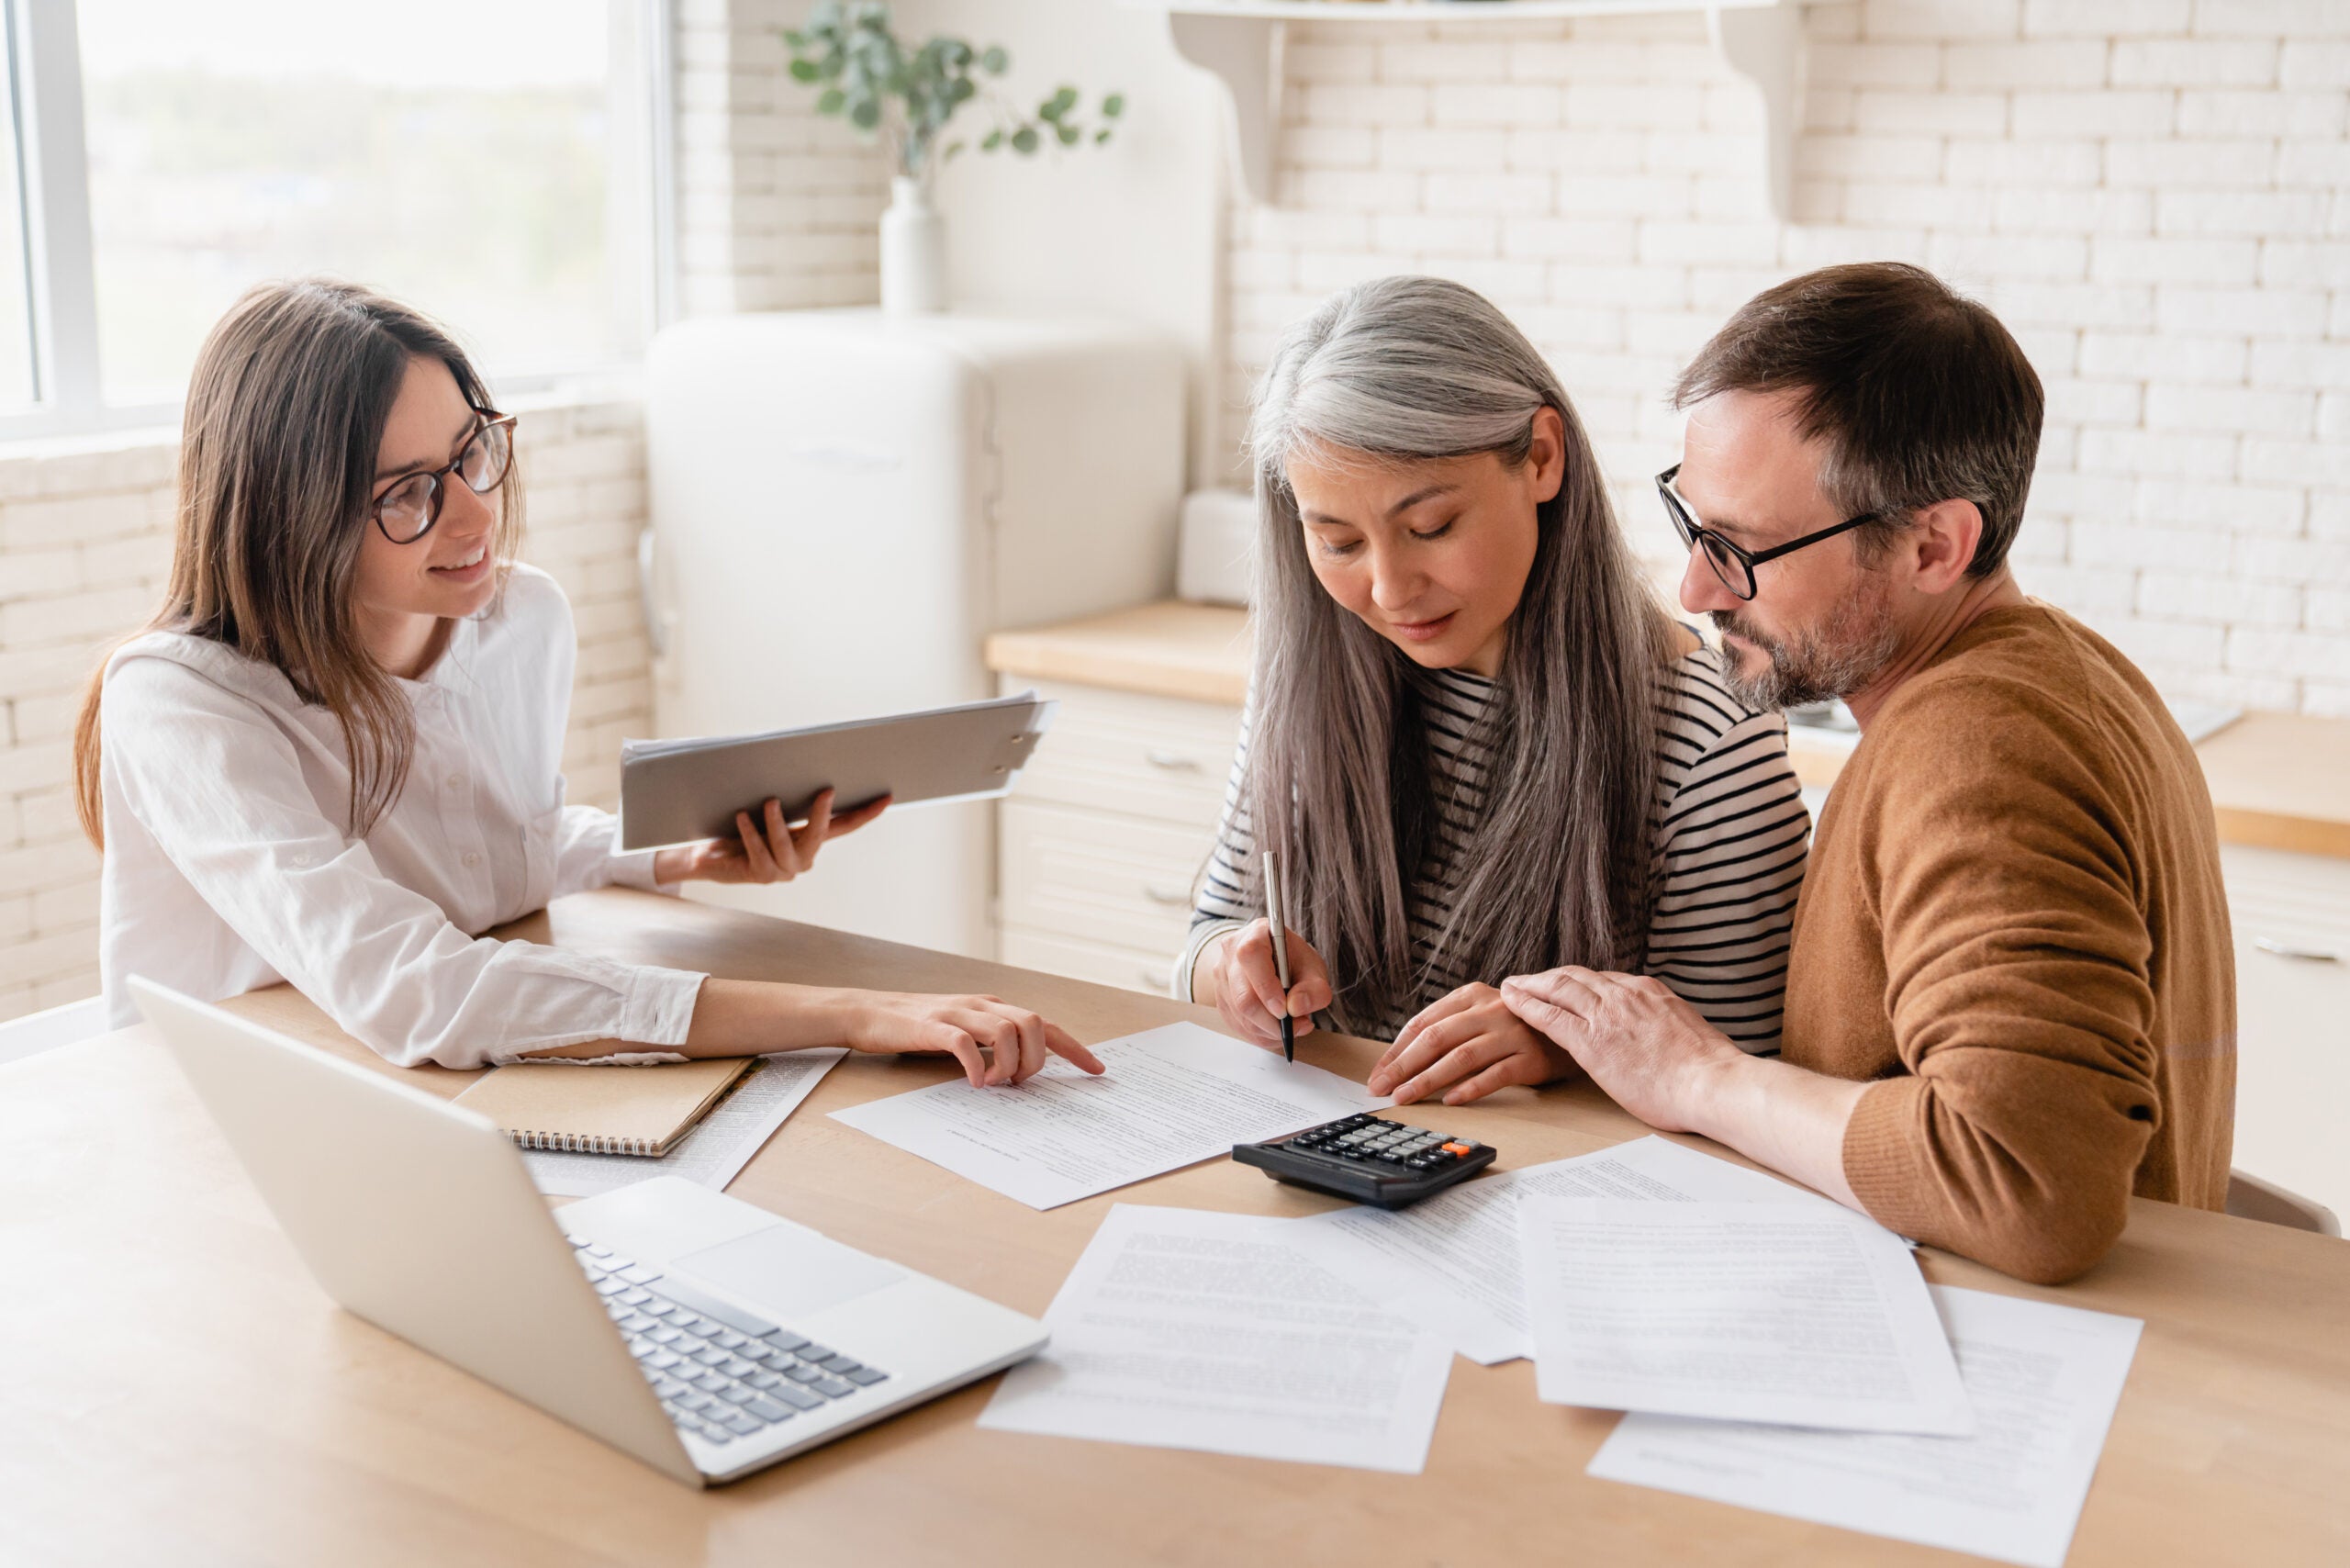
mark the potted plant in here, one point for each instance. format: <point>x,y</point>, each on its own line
<point>905,98</point>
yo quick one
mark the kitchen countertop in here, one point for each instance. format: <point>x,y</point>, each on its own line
<point>2280,780</point>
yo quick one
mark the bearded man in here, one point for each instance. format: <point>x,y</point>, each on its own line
<point>2011,998</point>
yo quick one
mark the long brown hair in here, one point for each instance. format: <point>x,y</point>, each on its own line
<point>1557,870</point>
<point>285,417</point>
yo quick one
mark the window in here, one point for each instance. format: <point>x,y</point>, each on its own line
<point>484,160</point>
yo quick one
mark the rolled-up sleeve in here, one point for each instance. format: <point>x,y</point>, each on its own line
<point>219,786</point>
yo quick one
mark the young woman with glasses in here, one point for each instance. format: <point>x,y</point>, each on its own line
<point>1478,742</point>
<point>332,757</point>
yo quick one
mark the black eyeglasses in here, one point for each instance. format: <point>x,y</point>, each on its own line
<point>1733,564</point>
<point>407,510</point>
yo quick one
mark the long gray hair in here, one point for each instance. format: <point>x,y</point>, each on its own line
<point>1557,867</point>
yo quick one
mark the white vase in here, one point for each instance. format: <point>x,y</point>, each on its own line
<point>913,252</point>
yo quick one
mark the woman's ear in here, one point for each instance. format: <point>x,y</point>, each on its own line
<point>1545,453</point>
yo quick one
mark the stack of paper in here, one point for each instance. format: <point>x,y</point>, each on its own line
<point>1806,1317</point>
<point>2043,1380</point>
<point>1452,1262</point>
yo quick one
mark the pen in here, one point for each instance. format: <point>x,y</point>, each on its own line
<point>1280,949</point>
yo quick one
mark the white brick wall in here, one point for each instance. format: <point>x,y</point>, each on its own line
<point>84,546</point>
<point>2154,195</point>
<point>776,206</point>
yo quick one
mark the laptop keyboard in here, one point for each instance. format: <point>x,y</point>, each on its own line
<point>722,1373</point>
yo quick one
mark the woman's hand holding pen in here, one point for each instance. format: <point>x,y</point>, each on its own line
<point>1467,1044</point>
<point>1238,968</point>
<point>767,849</point>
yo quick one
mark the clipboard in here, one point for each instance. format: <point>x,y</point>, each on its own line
<point>675,791</point>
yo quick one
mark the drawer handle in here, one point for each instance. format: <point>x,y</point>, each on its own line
<point>1174,897</point>
<point>2295,950</point>
<point>1173,761</point>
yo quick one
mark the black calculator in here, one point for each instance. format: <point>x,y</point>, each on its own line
<point>1369,1159</point>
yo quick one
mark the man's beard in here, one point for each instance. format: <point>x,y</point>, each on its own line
<point>1818,663</point>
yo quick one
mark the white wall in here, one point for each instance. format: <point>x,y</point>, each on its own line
<point>1131,230</point>
<point>2154,195</point>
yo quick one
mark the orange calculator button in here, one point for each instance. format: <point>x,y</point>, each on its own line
<point>1457,1148</point>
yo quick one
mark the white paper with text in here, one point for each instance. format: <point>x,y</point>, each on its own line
<point>1172,1097</point>
<point>1741,1312</point>
<point>2045,1381</point>
<point>1450,1261</point>
<point>1183,1328</point>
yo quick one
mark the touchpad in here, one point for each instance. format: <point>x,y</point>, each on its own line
<point>789,1271</point>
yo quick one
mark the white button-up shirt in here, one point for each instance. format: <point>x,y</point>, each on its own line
<point>229,864</point>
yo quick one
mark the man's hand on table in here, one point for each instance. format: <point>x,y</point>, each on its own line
<point>1656,1057</point>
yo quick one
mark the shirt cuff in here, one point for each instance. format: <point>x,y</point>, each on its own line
<point>634,869</point>
<point>659,1006</point>
<point>1882,1144</point>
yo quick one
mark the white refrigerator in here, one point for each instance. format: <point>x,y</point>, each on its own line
<point>842,505</point>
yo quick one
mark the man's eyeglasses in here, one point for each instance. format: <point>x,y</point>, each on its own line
<point>407,510</point>
<point>1733,564</point>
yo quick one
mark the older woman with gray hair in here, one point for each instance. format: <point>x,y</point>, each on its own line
<point>1480,744</point>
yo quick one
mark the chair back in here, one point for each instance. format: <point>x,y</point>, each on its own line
<point>2249,1198</point>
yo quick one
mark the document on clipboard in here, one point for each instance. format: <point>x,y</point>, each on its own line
<point>675,791</point>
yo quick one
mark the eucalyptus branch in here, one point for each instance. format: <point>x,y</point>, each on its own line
<point>905,98</point>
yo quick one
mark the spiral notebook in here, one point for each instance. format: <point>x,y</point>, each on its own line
<point>602,1110</point>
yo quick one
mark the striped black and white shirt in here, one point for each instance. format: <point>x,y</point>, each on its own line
<point>1727,838</point>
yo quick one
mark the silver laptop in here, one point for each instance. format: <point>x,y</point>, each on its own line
<point>703,1336</point>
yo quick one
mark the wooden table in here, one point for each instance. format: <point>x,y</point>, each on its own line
<point>177,1392</point>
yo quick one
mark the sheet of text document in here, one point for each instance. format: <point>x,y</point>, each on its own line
<point>2044,1380</point>
<point>1450,1261</point>
<point>1744,1312</point>
<point>1170,1097</point>
<point>1188,1329</point>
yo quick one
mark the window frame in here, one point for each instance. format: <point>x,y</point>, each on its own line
<point>44,65</point>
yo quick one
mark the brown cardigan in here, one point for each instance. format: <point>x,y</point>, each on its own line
<point>2014,919</point>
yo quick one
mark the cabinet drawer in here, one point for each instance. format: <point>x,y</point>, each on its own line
<point>1100,877</point>
<point>2292,1020</point>
<point>1139,755</point>
<point>1055,955</point>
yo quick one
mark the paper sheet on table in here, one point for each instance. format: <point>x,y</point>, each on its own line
<point>1182,1329</point>
<point>715,1151</point>
<point>1450,1261</point>
<point>2044,1380</point>
<point>1170,1097</point>
<point>1736,1312</point>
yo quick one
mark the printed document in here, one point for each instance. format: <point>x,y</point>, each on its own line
<point>720,1145</point>
<point>1170,1097</point>
<point>1450,1261</point>
<point>1181,1328</point>
<point>1739,1312</point>
<point>2045,1381</point>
